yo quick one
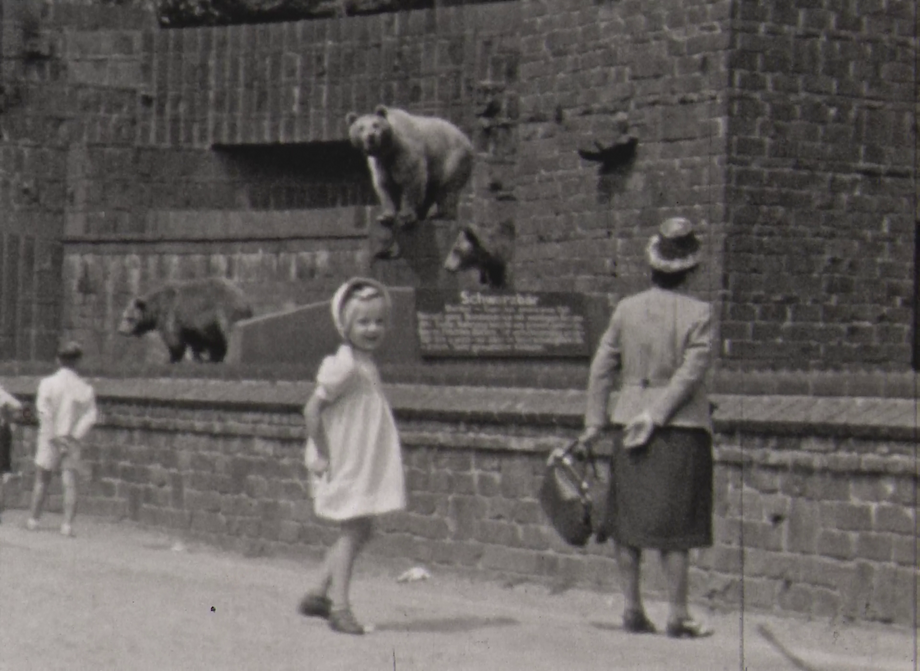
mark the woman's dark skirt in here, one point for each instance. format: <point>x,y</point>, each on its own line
<point>661,494</point>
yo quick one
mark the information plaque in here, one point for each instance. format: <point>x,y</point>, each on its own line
<point>490,324</point>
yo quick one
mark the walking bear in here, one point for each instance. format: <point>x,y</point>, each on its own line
<point>416,162</point>
<point>197,314</point>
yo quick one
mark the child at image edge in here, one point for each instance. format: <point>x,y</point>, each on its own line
<point>353,451</point>
<point>10,408</point>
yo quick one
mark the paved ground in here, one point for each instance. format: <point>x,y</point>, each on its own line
<point>119,597</point>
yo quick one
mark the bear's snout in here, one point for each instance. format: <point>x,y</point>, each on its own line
<point>373,143</point>
<point>127,327</point>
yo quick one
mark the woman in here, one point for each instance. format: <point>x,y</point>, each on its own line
<point>660,497</point>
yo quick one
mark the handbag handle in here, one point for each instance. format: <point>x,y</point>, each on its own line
<point>589,456</point>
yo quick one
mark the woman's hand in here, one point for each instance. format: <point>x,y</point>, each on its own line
<point>589,436</point>
<point>638,431</point>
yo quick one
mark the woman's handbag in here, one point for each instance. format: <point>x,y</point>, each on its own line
<point>565,495</point>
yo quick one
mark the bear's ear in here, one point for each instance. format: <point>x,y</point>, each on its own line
<point>381,111</point>
<point>471,236</point>
<point>350,118</point>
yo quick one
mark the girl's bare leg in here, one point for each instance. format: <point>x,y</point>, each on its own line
<point>341,558</point>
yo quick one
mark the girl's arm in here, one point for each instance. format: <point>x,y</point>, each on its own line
<point>312,414</point>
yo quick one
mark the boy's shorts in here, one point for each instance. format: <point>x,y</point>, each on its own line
<point>59,453</point>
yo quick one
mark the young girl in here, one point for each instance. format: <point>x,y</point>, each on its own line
<point>353,451</point>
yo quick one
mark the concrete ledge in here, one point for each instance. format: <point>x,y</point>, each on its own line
<point>235,225</point>
<point>779,415</point>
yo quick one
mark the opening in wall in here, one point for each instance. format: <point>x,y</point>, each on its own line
<point>307,176</point>
<point>190,13</point>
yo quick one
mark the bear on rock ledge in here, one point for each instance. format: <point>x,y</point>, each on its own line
<point>416,162</point>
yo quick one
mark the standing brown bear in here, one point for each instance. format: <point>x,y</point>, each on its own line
<point>415,162</point>
<point>196,314</point>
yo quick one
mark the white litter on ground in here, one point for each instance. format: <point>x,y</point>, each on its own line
<point>414,575</point>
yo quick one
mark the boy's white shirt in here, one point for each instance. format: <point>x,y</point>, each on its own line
<point>66,406</point>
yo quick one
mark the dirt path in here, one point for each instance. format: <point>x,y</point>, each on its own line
<point>122,598</point>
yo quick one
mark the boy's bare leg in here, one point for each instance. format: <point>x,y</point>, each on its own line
<point>42,479</point>
<point>69,482</point>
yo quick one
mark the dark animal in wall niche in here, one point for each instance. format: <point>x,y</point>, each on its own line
<point>613,156</point>
<point>616,163</point>
<point>196,315</point>
<point>416,162</point>
<point>472,250</point>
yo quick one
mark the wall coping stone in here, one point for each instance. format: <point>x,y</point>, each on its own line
<point>890,419</point>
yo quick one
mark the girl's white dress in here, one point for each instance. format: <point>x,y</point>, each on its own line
<point>365,474</point>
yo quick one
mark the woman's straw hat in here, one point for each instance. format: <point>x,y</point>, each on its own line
<point>675,247</point>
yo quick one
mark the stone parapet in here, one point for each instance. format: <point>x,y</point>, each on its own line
<point>815,499</point>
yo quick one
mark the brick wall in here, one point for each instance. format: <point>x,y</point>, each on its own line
<point>589,72</point>
<point>32,179</point>
<point>821,195</point>
<point>786,132</point>
<point>219,173</point>
<point>804,521</point>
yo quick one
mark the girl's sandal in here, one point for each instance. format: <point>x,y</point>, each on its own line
<point>689,628</point>
<point>315,605</point>
<point>637,622</point>
<point>343,621</point>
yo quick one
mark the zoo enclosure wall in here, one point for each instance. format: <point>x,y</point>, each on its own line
<point>815,498</point>
<point>133,155</point>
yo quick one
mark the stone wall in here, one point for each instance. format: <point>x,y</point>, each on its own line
<point>808,518</point>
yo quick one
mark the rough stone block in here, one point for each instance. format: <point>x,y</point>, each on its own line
<point>509,559</point>
<point>427,527</point>
<point>850,517</point>
<point>517,478</point>
<point>488,484</point>
<point>894,519</point>
<point>905,550</point>
<point>465,513</point>
<point>802,530</point>
<point>498,533</point>
<point>837,544</point>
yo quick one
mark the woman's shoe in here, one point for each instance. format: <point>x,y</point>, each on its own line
<point>689,628</point>
<point>636,622</point>
<point>315,605</point>
<point>343,621</point>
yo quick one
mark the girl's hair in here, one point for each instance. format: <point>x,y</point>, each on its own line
<point>670,280</point>
<point>360,294</point>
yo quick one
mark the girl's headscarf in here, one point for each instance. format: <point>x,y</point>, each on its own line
<point>362,288</point>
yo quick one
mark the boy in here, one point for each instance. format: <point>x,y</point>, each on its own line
<point>66,406</point>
